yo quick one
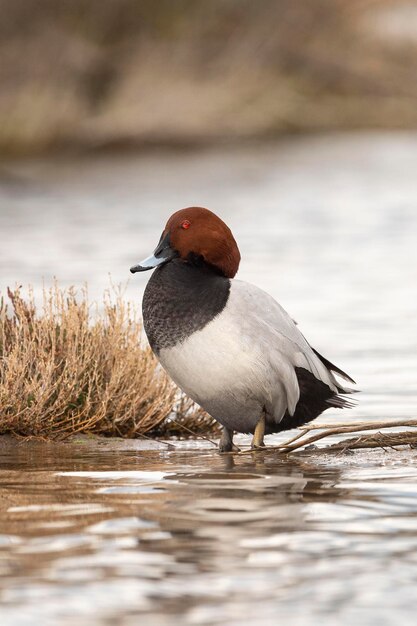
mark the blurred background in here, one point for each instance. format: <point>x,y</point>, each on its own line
<point>95,74</point>
<point>295,121</point>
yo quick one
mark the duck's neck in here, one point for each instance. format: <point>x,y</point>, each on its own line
<point>180,299</point>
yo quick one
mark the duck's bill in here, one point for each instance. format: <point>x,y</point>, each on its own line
<point>162,254</point>
<point>148,264</point>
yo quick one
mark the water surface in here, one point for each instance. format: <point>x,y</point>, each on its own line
<point>91,535</point>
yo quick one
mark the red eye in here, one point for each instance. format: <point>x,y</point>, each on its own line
<point>186,224</point>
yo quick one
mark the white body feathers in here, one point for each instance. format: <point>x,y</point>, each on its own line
<point>244,360</point>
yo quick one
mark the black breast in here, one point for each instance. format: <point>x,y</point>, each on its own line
<point>180,299</point>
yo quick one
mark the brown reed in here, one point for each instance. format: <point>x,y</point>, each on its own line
<point>71,366</point>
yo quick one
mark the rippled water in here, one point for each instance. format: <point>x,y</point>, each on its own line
<point>90,536</point>
<point>99,533</point>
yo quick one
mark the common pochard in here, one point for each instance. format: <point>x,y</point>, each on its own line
<point>226,343</point>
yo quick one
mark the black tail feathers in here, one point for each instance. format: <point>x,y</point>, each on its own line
<point>333,368</point>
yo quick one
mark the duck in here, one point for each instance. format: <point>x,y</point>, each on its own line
<point>227,343</point>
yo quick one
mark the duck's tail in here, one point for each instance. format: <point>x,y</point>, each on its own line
<point>338,400</point>
<point>334,369</point>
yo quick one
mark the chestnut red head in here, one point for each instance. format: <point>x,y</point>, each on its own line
<point>196,233</point>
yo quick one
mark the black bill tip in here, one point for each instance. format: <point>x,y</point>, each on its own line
<point>139,268</point>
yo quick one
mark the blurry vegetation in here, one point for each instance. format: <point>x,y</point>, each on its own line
<point>73,367</point>
<point>100,73</point>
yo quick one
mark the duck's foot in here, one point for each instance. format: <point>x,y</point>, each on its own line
<point>258,435</point>
<point>226,441</point>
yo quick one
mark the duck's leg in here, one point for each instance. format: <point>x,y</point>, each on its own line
<point>258,435</point>
<point>226,441</point>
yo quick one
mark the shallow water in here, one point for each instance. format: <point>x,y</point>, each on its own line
<point>99,533</point>
<point>91,535</point>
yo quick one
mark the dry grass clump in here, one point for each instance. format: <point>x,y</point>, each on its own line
<point>74,367</point>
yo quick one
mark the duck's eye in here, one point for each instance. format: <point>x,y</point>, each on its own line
<point>186,224</point>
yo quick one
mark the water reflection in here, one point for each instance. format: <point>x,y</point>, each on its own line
<point>191,537</point>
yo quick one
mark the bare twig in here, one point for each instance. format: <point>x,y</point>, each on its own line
<point>194,434</point>
<point>301,439</point>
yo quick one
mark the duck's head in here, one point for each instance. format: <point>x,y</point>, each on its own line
<point>195,235</point>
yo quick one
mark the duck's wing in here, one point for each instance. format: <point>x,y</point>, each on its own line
<point>285,347</point>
